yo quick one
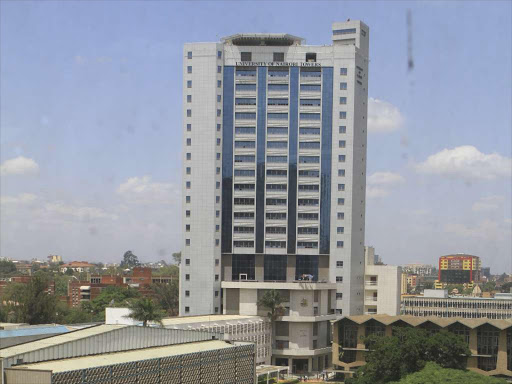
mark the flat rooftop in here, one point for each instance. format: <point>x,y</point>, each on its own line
<point>263,39</point>
<point>170,321</point>
<point>78,363</point>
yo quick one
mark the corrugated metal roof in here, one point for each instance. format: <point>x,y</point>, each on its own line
<point>440,321</point>
<point>56,340</point>
<point>169,321</point>
<point>30,331</point>
<point>124,357</point>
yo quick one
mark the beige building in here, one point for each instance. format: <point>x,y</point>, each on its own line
<point>490,341</point>
<point>382,286</point>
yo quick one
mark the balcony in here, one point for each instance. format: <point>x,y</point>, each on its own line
<point>291,285</point>
<point>301,351</point>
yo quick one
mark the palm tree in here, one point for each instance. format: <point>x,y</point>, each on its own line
<point>146,310</point>
<point>272,300</point>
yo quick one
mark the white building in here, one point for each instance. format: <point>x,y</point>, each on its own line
<point>382,287</point>
<point>274,179</point>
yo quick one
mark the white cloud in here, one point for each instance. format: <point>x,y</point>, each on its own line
<point>379,184</point>
<point>385,178</point>
<point>486,229</point>
<point>19,166</point>
<point>81,213</point>
<point>489,203</point>
<point>375,192</point>
<point>468,163</point>
<point>141,190</point>
<point>383,117</point>
<point>22,198</point>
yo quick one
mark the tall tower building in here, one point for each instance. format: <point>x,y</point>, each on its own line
<point>274,179</point>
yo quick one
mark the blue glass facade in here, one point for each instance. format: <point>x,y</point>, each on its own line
<point>292,165</point>
<point>260,158</point>
<point>227,159</point>
<point>325,168</point>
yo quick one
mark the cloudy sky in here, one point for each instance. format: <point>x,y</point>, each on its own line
<point>90,115</point>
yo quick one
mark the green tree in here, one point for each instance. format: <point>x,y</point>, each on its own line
<point>146,310</point>
<point>177,257</point>
<point>66,315</point>
<point>393,357</point>
<point>272,300</point>
<point>129,260</point>
<point>435,374</point>
<point>31,303</point>
<point>7,268</point>
<point>505,288</point>
<point>109,297</point>
<point>168,270</point>
<point>61,284</point>
<point>69,272</point>
<point>168,296</point>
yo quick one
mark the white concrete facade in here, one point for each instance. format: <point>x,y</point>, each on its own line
<point>382,287</point>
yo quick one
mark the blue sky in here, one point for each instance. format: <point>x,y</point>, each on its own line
<point>90,115</point>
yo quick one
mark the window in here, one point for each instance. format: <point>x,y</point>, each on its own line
<point>275,244</point>
<point>245,130</point>
<point>310,102</point>
<point>276,172</point>
<point>278,56</point>
<point>189,54</point>
<point>341,187</point>
<point>275,201</point>
<point>339,296</point>
<point>187,277</point>
<point>245,144</point>
<point>339,244</point>
<point>277,144</point>
<point>276,215</point>
<point>245,115</point>
<point>219,69</point>
<point>216,277</point>
<point>307,230</point>
<point>363,32</point>
<point>245,101</point>
<point>343,86</point>
<point>243,215</point>
<point>342,143</point>
<point>244,201</point>
<point>346,31</point>
<point>277,116</point>
<point>343,71</point>
<point>310,88</point>
<point>187,309</point>
<point>343,129</point>
<point>310,116</point>
<point>218,127</point>
<point>219,83</point>
<point>187,261</point>
<point>308,173</point>
<point>217,171</point>
<point>189,83</point>
<point>189,113</point>
<point>187,213</point>
<point>217,199</point>
<point>343,115</point>
<point>275,230</point>
<point>245,172</point>
<point>307,244</point>
<point>309,187</point>
<point>218,156</point>
<point>216,261</point>
<point>341,215</point>
<point>217,214</point>
<point>187,242</point>
<point>218,142</point>
<point>217,185</point>
<point>277,102</point>
<point>343,100</point>
<point>272,72</point>
<point>189,156</point>
<point>311,57</point>
<point>189,69</point>
<point>187,293</point>
<point>217,228</point>
<point>277,130</point>
<point>189,142</point>
<point>341,158</point>
<point>341,172</point>
<point>309,159</point>
<point>340,230</point>
<point>243,229</point>
<point>189,98</point>
<point>219,112</point>
<point>309,145</point>
<point>276,187</point>
<point>277,159</point>
<point>246,56</point>
<point>308,202</point>
<point>219,54</point>
<point>309,131</point>
<point>247,87</point>
<point>217,242</point>
<point>187,228</point>
<point>188,170</point>
<point>339,264</point>
<point>243,244</point>
<point>189,127</point>
<point>308,216</point>
<point>244,158</point>
<point>219,98</point>
<point>278,87</point>
<point>339,279</point>
<point>187,184</point>
<point>216,293</point>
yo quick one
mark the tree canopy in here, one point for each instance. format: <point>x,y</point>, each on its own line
<point>177,257</point>
<point>393,357</point>
<point>146,310</point>
<point>7,267</point>
<point>109,297</point>
<point>129,260</point>
<point>168,296</point>
<point>435,374</point>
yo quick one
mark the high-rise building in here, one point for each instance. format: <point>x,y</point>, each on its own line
<point>459,269</point>
<point>274,178</point>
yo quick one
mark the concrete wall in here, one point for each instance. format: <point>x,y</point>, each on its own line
<point>27,376</point>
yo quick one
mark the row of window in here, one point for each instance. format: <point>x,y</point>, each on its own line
<point>274,87</point>
<point>280,102</point>
<point>280,130</point>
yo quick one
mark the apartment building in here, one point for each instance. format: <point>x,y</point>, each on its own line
<point>274,179</point>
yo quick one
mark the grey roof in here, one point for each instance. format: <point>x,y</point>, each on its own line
<point>275,39</point>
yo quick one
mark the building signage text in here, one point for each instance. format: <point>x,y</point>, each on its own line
<point>275,64</point>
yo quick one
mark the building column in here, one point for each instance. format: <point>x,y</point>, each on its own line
<point>310,364</point>
<point>501,364</point>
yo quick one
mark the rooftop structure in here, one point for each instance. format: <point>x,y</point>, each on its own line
<point>263,39</point>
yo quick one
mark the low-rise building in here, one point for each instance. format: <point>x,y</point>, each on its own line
<point>77,266</point>
<point>382,286</point>
<point>490,341</point>
<point>435,302</point>
<point>418,269</point>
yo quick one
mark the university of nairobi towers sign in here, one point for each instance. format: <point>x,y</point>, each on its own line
<point>275,64</point>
